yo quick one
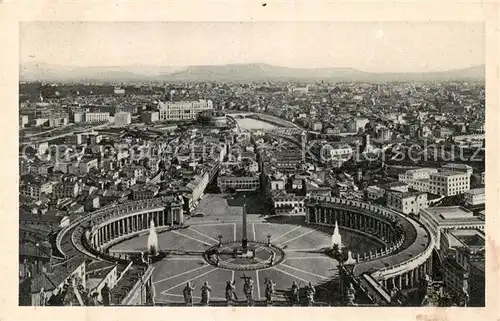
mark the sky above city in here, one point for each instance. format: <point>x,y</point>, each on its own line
<point>372,47</point>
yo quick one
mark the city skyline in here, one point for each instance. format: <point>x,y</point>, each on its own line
<point>395,47</point>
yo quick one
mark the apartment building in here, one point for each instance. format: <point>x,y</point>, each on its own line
<point>289,204</point>
<point>123,118</point>
<point>406,202</point>
<point>35,189</point>
<point>449,183</point>
<point>96,117</point>
<point>374,192</point>
<point>183,110</point>
<point>462,168</point>
<point>65,190</point>
<point>476,196</point>
<point>416,174</point>
<point>244,183</point>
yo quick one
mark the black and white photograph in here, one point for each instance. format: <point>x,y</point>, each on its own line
<point>252,164</point>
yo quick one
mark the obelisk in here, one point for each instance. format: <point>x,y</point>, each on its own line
<point>244,232</point>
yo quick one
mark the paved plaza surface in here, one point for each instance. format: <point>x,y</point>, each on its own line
<point>303,245</point>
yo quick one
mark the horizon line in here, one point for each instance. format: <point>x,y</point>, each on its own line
<point>253,63</point>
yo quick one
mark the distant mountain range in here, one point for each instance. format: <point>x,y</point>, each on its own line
<point>232,72</point>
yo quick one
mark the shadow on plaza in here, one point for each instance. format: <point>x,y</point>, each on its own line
<point>354,241</point>
<point>182,253</point>
<point>253,200</point>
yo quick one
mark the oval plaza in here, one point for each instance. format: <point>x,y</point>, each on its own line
<point>400,260</point>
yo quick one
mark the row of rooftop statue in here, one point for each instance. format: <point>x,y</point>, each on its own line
<point>248,290</point>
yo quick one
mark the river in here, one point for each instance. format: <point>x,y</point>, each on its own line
<point>250,124</point>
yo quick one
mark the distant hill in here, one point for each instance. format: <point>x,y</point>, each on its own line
<point>47,72</point>
<point>261,72</point>
<point>232,72</point>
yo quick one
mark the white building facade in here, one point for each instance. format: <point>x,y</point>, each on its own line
<point>183,110</point>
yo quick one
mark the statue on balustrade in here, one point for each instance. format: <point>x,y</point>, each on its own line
<point>397,297</point>
<point>42,297</point>
<point>351,295</point>
<point>295,293</point>
<point>106,295</point>
<point>463,299</point>
<point>428,280</point>
<point>151,294</point>
<point>205,294</point>
<point>248,290</point>
<point>230,292</point>
<point>188,294</point>
<point>270,289</point>
<point>310,292</point>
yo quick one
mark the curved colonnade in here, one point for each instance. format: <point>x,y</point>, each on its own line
<point>407,255</point>
<point>91,235</point>
<point>108,226</point>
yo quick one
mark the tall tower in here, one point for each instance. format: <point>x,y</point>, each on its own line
<point>303,137</point>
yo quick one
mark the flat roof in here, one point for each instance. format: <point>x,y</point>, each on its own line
<point>449,212</point>
<point>422,170</point>
<point>471,238</point>
<point>476,191</point>
<point>455,165</point>
<point>449,173</point>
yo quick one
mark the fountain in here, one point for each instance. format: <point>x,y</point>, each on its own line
<point>152,240</point>
<point>336,238</point>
